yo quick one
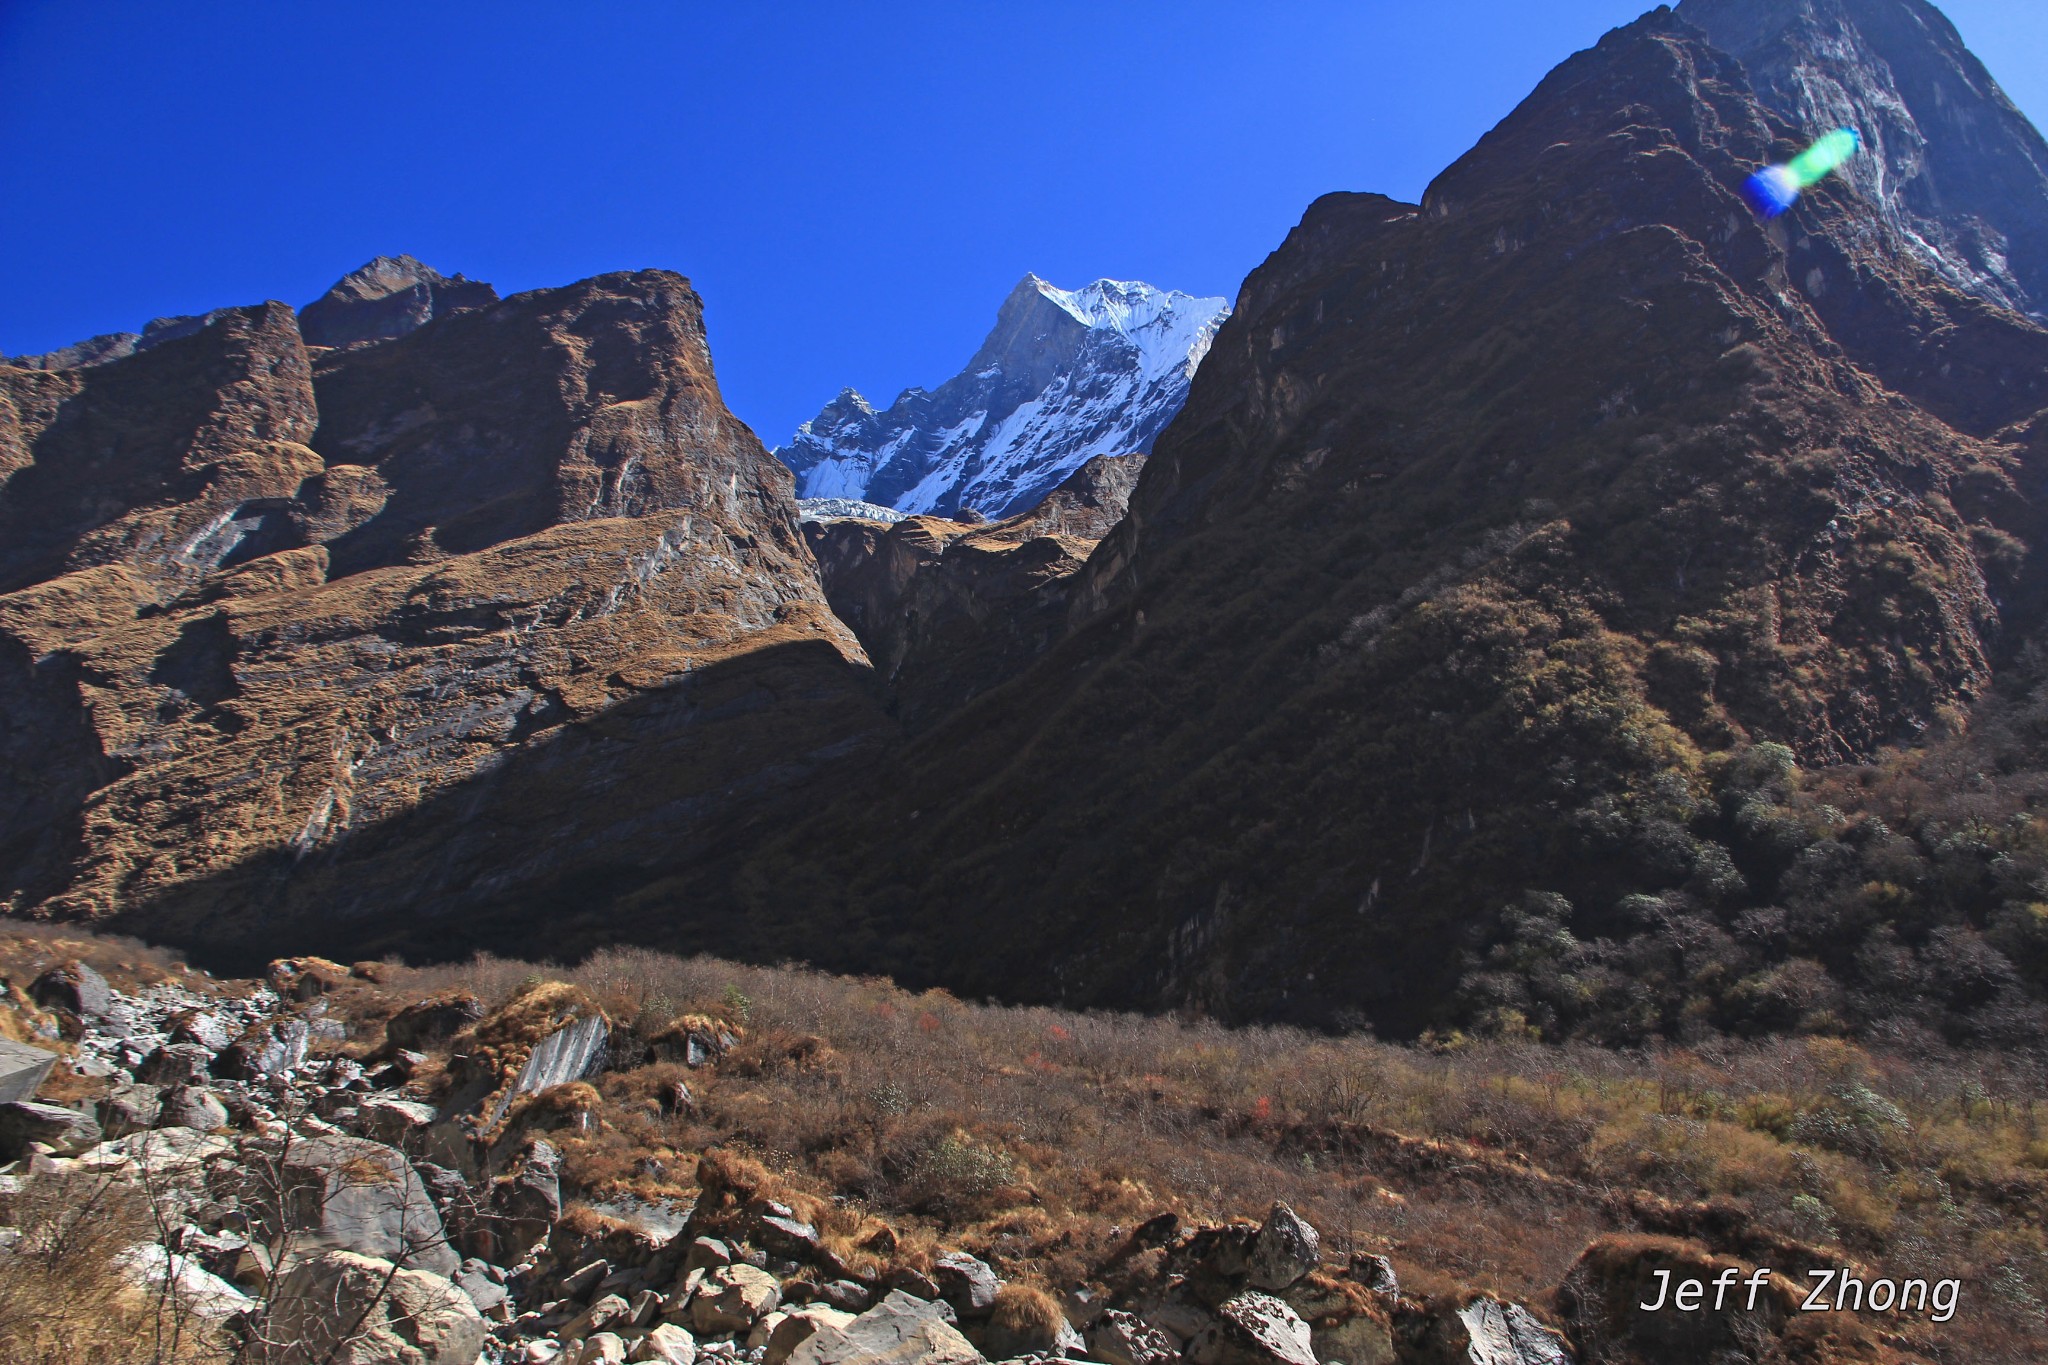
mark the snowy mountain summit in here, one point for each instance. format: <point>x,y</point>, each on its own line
<point>1066,375</point>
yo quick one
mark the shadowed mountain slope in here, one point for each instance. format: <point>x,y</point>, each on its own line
<point>1489,523</point>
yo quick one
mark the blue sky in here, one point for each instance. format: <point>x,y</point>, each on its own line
<point>852,187</point>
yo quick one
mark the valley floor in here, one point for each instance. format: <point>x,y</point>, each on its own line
<point>1048,1144</point>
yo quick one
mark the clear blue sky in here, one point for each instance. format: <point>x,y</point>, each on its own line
<point>852,187</point>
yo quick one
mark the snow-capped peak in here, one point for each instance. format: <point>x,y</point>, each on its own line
<point>1065,375</point>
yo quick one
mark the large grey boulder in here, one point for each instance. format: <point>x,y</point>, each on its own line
<point>399,1316</point>
<point>66,1130</point>
<point>1254,1329</point>
<point>354,1195</point>
<point>184,1284</point>
<point>75,987</point>
<point>900,1330</point>
<point>1286,1249</point>
<point>23,1069</point>
<point>967,1283</point>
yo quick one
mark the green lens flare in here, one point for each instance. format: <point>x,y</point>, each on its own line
<point>1825,157</point>
<point>1774,189</point>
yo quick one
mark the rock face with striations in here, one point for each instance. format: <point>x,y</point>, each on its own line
<point>1488,521</point>
<point>519,564</point>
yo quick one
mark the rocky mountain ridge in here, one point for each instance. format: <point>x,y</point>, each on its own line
<point>1063,377</point>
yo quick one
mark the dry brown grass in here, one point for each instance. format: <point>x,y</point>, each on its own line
<point>62,1299</point>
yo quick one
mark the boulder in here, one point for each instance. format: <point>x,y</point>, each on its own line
<point>606,1348</point>
<point>132,1108</point>
<point>1254,1329</point>
<point>202,1027</point>
<point>1375,1273</point>
<point>1120,1338</point>
<point>900,1330</point>
<point>192,1106</point>
<point>1028,1322</point>
<point>1362,1338</point>
<point>527,1202</point>
<point>75,987</point>
<point>790,1237</point>
<point>272,1048</point>
<point>967,1283</point>
<point>23,1069</point>
<point>1602,1295</point>
<point>188,1286</point>
<point>407,1317</point>
<point>849,1296</point>
<point>1285,1249</point>
<point>176,1064</point>
<point>66,1130</point>
<point>485,1285</point>
<point>800,1326</point>
<point>430,1021</point>
<point>707,1253</point>
<point>1489,1332</point>
<point>385,1118</point>
<point>304,978</point>
<point>165,1153</point>
<point>733,1299</point>
<point>666,1344</point>
<point>354,1195</point>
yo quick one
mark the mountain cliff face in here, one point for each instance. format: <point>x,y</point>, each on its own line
<point>262,605</point>
<point>949,609</point>
<point>1064,377</point>
<point>1957,175</point>
<point>1496,530</point>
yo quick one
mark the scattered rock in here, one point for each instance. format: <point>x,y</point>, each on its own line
<point>1286,1249</point>
<point>606,1348</point>
<point>485,1288</point>
<point>1375,1273</point>
<point>407,1317</point>
<point>848,1296</point>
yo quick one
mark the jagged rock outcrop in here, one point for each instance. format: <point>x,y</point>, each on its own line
<point>257,608</point>
<point>388,297</point>
<point>948,609</point>
<point>1064,376</point>
<point>1488,522</point>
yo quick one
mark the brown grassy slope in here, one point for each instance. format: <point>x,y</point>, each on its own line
<point>1041,1138</point>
